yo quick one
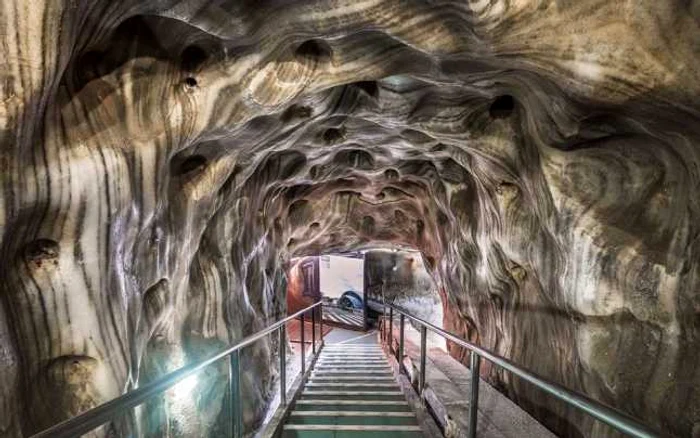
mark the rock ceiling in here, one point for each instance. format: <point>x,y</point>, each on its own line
<point>161,161</point>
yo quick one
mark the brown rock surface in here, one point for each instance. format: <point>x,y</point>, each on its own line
<point>163,160</point>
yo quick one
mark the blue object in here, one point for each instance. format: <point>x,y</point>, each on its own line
<point>350,300</point>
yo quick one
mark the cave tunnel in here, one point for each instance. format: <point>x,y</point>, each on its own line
<point>163,162</point>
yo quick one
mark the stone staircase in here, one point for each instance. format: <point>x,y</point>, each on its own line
<point>351,393</point>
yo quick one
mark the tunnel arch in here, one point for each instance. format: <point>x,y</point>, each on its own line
<point>546,175</point>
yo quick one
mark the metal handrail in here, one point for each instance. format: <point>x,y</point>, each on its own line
<point>96,417</point>
<point>619,420</point>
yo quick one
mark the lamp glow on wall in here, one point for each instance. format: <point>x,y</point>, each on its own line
<point>185,388</point>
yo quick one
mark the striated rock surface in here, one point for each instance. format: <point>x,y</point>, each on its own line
<point>162,161</point>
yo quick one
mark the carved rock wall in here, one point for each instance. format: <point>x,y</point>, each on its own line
<point>161,161</point>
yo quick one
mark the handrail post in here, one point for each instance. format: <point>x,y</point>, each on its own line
<point>320,324</point>
<point>283,365</point>
<point>384,326</point>
<point>423,352</point>
<point>313,331</point>
<point>391,329</point>
<point>474,399</point>
<point>401,324</point>
<point>234,380</point>
<point>303,346</point>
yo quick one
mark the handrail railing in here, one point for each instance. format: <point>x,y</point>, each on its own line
<point>619,420</point>
<point>98,416</point>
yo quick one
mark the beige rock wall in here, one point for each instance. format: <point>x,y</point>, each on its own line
<point>161,161</point>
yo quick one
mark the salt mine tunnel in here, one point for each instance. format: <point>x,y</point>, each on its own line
<point>164,165</point>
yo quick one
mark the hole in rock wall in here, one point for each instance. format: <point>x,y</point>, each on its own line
<point>192,58</point>
<point>298,112</point>
<point>333,135</point>
<point>316,50</point>
<point>354,158</point>
<point>368,225</point>
<point>136,40</point>
<point>190,82</point>
<point>502,107</point>
<point>314,172</point>
<point>391,174</point>
<point>41,250</point>
<point>369,87</point>
<point>91,63</point>
<point>420,226</point>
<point>192,164</point>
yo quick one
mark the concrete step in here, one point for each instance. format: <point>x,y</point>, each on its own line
<point>352,366</point>
<point>325,394</point>
<point>346,352</point>
<point>351,393</point>
<point>333,385</point>
<point>344,393</point>
<point>351,370</point>
<point>352,354</point>
<point>324,351</point>
<point>352,418</point>
<point>353,359</point>
<point>358,352</point>
<point>352,405</point>
<point>372,345</point>
<point>358,386</point>
<point>357,379</point>
<point>340,356</point>
<point>348,372</point>
<point>359,360</point>
<point>350,431</point>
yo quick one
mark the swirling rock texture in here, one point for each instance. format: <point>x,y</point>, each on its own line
<point>162,161</point>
